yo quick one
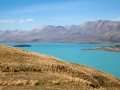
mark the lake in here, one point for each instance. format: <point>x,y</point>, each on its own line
<point>102,60</point>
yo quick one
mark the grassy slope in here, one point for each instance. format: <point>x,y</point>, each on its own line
<point>21,69</point>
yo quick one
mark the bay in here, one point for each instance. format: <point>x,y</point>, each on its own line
<point>102,60</point>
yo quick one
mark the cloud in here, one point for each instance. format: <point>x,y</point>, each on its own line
<point>8,21</point>
<point>26,20</point>
<point>116,19</point>
<point>16,21</point>
<point>62,18</point>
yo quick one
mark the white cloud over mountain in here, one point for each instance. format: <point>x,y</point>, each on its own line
<point>26,20</point>
<point>8,21</point>
<point>116,19</point>
<point>16,21</point>
<point>62,18</point>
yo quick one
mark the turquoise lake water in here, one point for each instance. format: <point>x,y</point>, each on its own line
<point>102,60</point>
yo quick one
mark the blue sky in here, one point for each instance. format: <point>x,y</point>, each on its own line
<point>29,14</point>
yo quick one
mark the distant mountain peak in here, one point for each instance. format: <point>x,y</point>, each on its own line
<point>89,32</point>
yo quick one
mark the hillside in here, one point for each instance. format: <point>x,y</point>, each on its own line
<point>89,32</point>
<point>21,69</point>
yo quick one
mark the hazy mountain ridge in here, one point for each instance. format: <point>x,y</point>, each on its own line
<point>88,32</point>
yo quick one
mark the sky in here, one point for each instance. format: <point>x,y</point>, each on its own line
<point>29,14</point>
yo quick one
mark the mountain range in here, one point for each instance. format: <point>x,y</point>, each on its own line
<point>89,32</point>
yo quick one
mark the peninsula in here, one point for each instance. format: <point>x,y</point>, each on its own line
<point>115,48</point>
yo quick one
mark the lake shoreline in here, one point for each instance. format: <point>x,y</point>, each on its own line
<point>74,53</point>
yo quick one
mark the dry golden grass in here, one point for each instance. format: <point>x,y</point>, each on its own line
<point>31,71</point>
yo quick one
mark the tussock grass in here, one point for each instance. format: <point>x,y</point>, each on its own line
<point>28,69</point>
